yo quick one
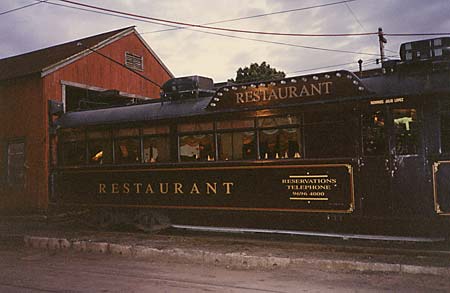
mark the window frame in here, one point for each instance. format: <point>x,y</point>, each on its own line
<point>132,65</point>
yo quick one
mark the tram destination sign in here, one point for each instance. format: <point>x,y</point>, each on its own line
<point>289,91</point>
<point>312,188</point>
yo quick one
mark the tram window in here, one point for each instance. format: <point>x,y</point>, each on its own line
<point>279,137</point>
<point>99,147</point>
<point>156,144</point>
<point>374,134</point>
<point>127,150</point>
<point>237,145</point>
<point>330,135</point>
<point>156,149</point>
<point>73,146</point>
<point>406,131</point>
<point>127,146</point>
<point>197,147</point>
<point>279,143</point>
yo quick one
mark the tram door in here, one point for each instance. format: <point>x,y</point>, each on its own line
<point>392,162</point>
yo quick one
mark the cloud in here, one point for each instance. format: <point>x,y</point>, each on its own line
<point>187,52</point>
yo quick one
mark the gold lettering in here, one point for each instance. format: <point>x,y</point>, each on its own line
<point>292,92</point>
<point>304,91</point>
<point>280,90</point>
<point>248,97</point>
<point>177,187</point>
<point>138,187</point>
<point>102,188</point>
<point>316,88</point>
<point>264,95</point>
<point>273,94</point>
<point>327,84</point>
<point>149,189</point>
<point>115,188</point>
<point>228,186</point>
<point>161,189</point>
<point>195,189</point>
<point>240,98</point>
<point>211,187</point>
<point>126,188</point>
<point>256,96</point>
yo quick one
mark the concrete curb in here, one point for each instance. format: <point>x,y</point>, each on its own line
<point>233,259</point>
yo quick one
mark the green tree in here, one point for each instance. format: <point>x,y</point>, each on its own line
<point>257,72</point>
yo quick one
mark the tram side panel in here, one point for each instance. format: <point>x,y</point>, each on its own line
<point>326,188</point>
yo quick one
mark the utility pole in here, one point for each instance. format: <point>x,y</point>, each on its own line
<point>382,40</point>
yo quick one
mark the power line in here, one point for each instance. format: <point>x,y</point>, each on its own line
<point>292,45</point>
<point>22,7</point>
<point>415,34</point>
<point>219,34</point>
<point>322,67</point>
<point>249,31</point>
<point>281,12</point>
<point>105,13</point>
<point>258,15</point>
<point>219,28</point>
<point>367,62</point>
<point>354,16</point>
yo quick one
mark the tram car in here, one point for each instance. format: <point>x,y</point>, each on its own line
<point>334,151</point>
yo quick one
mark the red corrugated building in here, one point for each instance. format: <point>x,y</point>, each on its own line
<point>86,73</point>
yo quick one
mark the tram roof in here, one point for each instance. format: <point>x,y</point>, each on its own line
<point>156,110</point>
<point>373,87</point>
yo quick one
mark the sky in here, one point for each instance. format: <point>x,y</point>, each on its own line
<point>218,54</point>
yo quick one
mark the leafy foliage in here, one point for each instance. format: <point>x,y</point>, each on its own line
<point>257,72</point>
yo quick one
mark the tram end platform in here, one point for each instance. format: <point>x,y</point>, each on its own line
<point>238,250</point>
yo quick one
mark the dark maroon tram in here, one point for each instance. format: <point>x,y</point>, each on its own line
<point>334,151</point>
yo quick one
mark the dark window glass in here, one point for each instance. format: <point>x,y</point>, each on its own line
<point>197,147</point>
<point>127,146</point>
<point>330,135</point>
<point>374,134</point>
<point>237,145</point>
<point>279,137</point>
<point>279,143</point>
<point>73,153</point>
<point>156,149</point>
<point>100,147</point>
<point>73,148</point>
<point>406,131</point>
<point>16,164</point>
<point>128,150</point>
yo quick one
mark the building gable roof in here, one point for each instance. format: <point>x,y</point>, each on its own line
<point>49,59</point>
